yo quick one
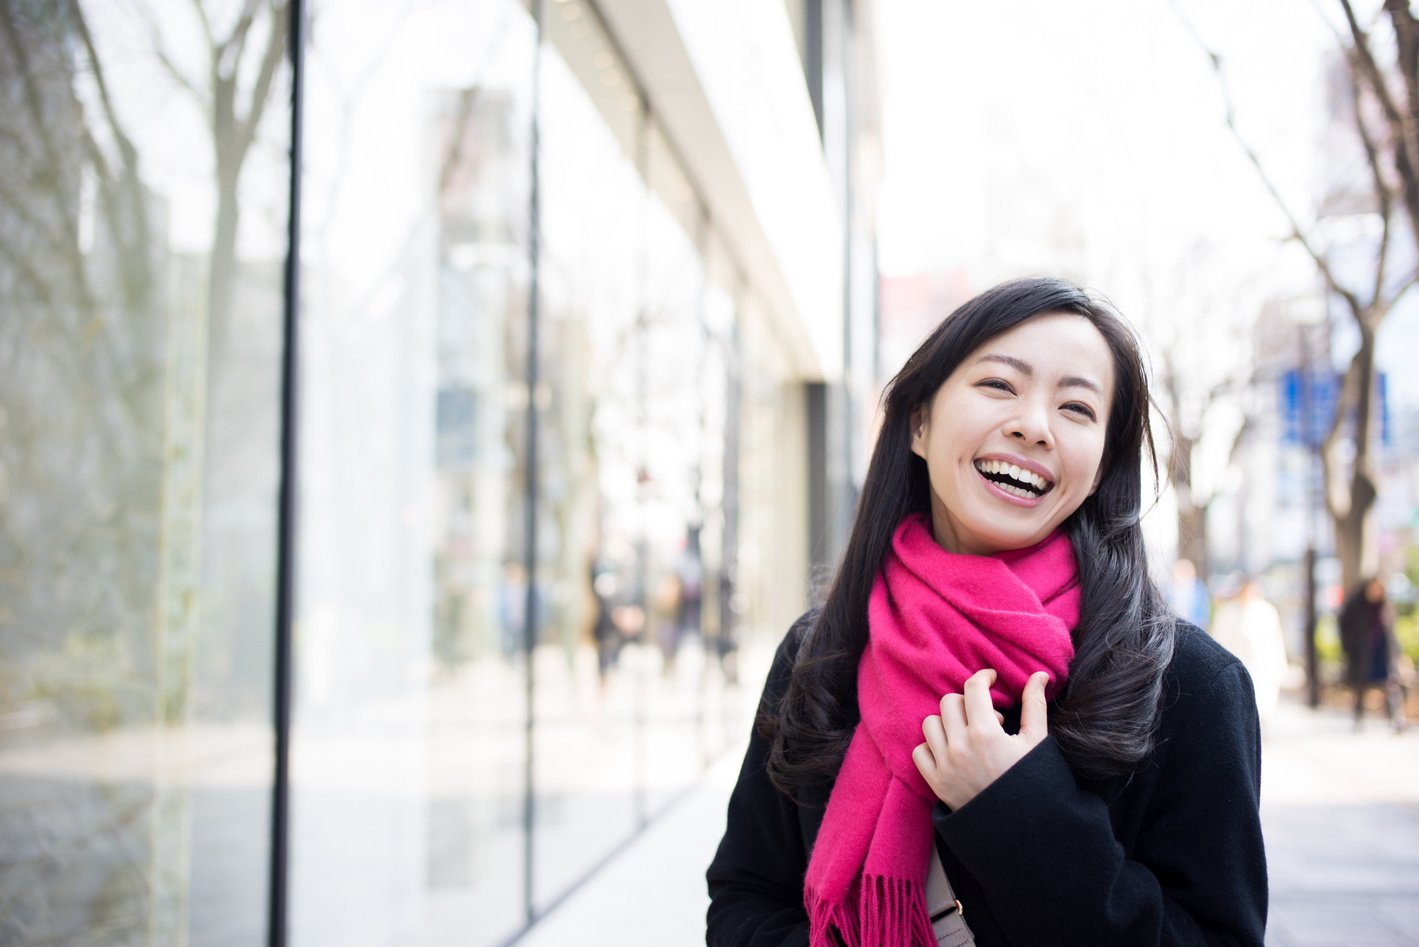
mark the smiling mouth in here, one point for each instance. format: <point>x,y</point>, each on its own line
<point>1014,480</point>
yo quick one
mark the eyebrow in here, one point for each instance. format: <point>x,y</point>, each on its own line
<point>1025,368</point>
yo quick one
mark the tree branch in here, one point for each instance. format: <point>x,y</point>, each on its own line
<point>201,10</point>
<point>1297,232</point>
<point>1402,129</point>
<point>137,247</point>
<point>1382,191</point>
<point>174,72</point>
<point>66,201</point>
<point>235,44</point>
<point>271,60</point>
<point>161,55</point>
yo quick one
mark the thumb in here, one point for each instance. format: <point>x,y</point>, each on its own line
<point>1033,709</point>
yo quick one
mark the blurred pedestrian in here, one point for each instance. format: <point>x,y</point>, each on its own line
<point>1187,594</point>
<point>1371,649</point>
<point>1250,627</point>
<point>603,626</point>
<point>665,615</point>
<point>1090,767</point>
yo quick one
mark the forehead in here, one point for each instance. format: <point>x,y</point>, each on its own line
<point>1054,343</point>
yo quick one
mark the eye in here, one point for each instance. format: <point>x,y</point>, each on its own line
<point>1078,407</point>
<point>998,384</point>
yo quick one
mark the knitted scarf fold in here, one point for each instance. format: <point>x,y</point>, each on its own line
<point>934,619</point>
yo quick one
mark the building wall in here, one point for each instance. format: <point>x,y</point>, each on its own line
<point>558,301</point>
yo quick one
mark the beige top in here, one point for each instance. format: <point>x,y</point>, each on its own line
<point>947,920</point>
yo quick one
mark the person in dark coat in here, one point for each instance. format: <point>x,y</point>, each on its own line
<point>1371,649</point>
<point>992,731</point>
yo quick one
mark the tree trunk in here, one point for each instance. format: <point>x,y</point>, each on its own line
<point>1192,516</point>
<point>1350,490</point>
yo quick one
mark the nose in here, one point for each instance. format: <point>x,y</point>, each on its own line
<point>1031,423</point>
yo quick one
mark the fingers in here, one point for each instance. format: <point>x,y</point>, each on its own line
<point>1033,707</point>
<point>966,748</point>
<point>979,706</point>
<point>935,734</point>
<point>925,762</point>
<point>953,717</point>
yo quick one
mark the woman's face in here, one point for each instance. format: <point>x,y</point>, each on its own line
<point>1014,439</point>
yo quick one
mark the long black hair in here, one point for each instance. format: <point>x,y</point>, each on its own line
<point>1106,717</point>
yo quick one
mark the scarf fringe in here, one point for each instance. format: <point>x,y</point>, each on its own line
<point>892,913</point>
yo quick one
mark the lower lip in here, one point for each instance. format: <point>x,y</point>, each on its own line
<point>994,488</point>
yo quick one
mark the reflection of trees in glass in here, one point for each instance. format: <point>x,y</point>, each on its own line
<point>82,353</point>
<point>103,408</point>
<point>107,346</point>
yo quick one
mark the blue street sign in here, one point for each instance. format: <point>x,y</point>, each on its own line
<point>1299,426</point>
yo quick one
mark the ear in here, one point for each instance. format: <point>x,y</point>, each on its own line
<point>918,432</point>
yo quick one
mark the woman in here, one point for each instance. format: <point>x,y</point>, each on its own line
<point>1371,649</point>
<point>992,728</point>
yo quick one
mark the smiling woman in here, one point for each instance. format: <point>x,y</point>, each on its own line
<point>993,715</point>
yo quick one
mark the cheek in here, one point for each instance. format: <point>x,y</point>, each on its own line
<point>1090,462</point>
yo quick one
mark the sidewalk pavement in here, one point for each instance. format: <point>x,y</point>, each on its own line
<point>1340,810</point>
<point>1341,815</point>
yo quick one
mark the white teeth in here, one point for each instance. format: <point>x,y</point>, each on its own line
<point>1014,473</point>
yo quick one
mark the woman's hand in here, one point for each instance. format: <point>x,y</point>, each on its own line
<point>967,749</point>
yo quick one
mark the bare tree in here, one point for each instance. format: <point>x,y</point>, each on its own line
<point>1380,80</point>
<point>1194,503</point>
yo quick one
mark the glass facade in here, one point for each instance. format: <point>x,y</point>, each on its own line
<point>143,173</point>
<point>551,469</point>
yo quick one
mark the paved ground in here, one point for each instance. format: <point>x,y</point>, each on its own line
<point>1341,811</point>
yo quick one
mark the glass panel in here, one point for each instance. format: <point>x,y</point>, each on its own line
<point>773,507</point>
<point>586,682</point>
<point>720,720</point>
<point>672,498</point>
<point>410,731</point>
<point>142,216</point>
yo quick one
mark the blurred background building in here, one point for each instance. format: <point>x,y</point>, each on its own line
<point>579,303</point>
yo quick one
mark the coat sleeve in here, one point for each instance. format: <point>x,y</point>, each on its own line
<point>1046,852</point>
<point>756,877</point>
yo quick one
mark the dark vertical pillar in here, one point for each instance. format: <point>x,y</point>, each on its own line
<point>846,501</point>
<point>1310,441</point>
<point>277,922</point>
<point>813,56</point>
<point>1312,663</point>
<point>820,512</point>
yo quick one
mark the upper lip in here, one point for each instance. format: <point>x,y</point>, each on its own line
<point>1024,463</point>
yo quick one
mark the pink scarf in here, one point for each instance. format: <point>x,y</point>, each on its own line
<point>934,619</point>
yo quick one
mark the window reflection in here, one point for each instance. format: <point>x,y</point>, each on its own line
<point>584,740</point>
<point>409,741</point>
<point>141,244</point>
<point>142,216</point>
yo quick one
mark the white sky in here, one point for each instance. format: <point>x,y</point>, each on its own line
<point>1111,120</point>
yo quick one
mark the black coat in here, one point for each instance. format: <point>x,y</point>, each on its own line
<point>1170,854</point>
